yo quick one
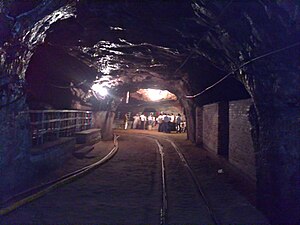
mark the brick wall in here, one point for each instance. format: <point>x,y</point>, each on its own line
<point>241,152</point>
<point>199,125</point>
<point>225,130</point>
<point>210,127</point>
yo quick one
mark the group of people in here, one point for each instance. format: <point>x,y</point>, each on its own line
<point>166,122</point>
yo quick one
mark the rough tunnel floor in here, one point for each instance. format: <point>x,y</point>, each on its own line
<point>127,189</point>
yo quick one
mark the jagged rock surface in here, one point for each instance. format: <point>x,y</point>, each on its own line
<point>184,46</point>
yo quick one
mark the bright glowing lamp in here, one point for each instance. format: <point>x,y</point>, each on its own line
<point>155,94</point>
<point>99,90</point>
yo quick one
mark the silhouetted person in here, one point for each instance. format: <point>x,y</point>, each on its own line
<point>143,119</point>
<point>166,123</point>
<point>136,121</point>
<point>151,121</point>
<point>178,122</point>
<point>172,124</point>
<point>159,120</point>
<point>126,119</point>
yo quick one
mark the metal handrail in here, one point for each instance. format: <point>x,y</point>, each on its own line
<point>48,125</point>
<point>52,110</point>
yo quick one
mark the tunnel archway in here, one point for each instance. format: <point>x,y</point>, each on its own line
<point>189,48</point>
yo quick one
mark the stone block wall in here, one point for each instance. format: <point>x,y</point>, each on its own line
<point>240,142</point>
<point>224,129</point>
<point>199,126</point>
<point>52,155</point>
<point>210,127</point>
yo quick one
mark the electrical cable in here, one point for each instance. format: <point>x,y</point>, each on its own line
<point>68,87</point>
<point>204,35</point>
<point>244,64</point>
<point>62,181</point>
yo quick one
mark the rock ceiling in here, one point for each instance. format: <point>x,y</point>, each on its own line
<point>149,44</point>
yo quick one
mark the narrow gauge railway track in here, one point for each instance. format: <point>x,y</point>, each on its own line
<point>164,204</point>
<point>34,193</point>
<point>150,188</point>
<point>165,217</point>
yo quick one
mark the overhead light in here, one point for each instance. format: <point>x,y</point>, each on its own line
<point>99,91</point>
<point>155,94</point>
<point>127,97</point>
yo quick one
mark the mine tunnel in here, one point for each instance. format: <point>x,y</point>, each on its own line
<point>75,74</point>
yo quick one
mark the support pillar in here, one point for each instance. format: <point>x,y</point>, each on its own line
<point>199,126</point>
<point>274,87</point>
<point>278,163</point>
<point>104,121</point>
<point>190,116</point>
<point>223,129</point>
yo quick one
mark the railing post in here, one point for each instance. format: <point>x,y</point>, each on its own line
<point>49,124</point>
<point>76,122</point>
<point>42,128</point>
<point>91,120</point>
<point>58,124</point>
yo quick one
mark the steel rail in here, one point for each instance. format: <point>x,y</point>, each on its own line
<point>50,186</point>
<point>164,198</point>
<point>192,174</point>
<point>164,207</point>
<point>195,180</point>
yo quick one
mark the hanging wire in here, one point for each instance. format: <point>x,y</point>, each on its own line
<point>204,35</point>
<point>244,64</point>
<point>69,86</point>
